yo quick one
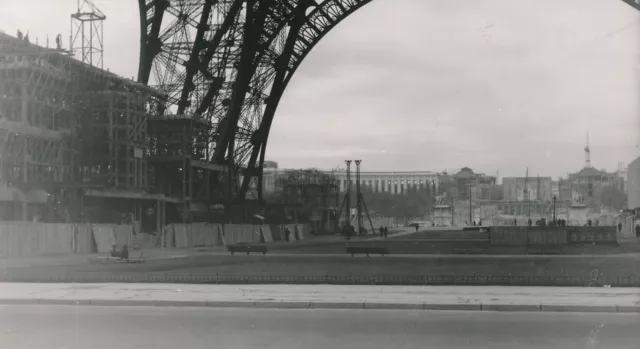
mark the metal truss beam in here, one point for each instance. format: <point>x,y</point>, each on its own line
<point>230,62</point>
<point>317,23</point>
<point>633,3</point>
<point>259,139</point>
<point>151,14</point>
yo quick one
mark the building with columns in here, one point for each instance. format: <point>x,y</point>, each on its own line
<point>395,182</point>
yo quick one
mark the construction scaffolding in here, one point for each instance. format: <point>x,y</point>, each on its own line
<point>180,153</point>
<point>73,139</point>
<point>114,139</point>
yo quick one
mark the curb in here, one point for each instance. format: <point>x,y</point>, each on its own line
<point>332,305</point>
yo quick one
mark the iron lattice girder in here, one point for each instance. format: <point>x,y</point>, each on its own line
<point>633,3</point>
<point>218,46</point>
<point>256,15</point>
<point>260,137</point>
<point>316,24</point>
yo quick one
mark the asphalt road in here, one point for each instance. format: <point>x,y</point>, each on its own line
<point>147,327</point>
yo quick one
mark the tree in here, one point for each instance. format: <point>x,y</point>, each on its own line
<point>416,202</point>
<point>614,197</point>
<point>309,189</point>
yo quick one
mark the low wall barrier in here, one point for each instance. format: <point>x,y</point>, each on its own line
<point>23,239</point>
<point>528,236</point>
<point>552,236</point>
<point>107,235</point>
<point>277,232</point>
<point>239,233</point>
<point>209,235</point>
<point>606,235</point>
<point>28,239</point>
<point>355,279</point>
<point>181,235</point>
<point>508,236</point>
<point>146,241</point>
<point>546,236</point>
<point>266,233</point>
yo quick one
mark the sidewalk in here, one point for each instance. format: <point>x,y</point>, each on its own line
<point>486,298</point>
<point>166,254</point>
<point>222,251</point>
<point>74,259</point>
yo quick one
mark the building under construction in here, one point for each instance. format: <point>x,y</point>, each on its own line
<point>81,144</point>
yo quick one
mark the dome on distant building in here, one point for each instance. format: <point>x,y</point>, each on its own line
<point>270,164</point>
<point>465,172</point>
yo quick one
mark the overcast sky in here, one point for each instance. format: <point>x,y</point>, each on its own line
<point>437,84</point>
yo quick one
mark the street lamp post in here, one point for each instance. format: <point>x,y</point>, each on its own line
<point>470,209</point>
<point>554,210</point>
<point>453,207</point>
<point>348,198</point>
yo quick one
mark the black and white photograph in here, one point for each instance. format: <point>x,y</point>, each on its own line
<point>290,174</point>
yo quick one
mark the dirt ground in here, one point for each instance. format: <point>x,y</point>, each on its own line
<point>343,269</point>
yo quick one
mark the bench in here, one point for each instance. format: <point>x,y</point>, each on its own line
<point>545,250</point>
<point>247,248</point>
<point>353,250</point>
<point>471,250</point>
<point>117,259</point>
<point>478,228</point>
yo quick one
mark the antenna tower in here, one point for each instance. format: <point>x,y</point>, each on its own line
<point>87,31</point>
<point>526,192</point>
<point>587,153</point>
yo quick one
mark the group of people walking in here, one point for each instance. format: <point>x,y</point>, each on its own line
<point>384,232</point>
<point>349,230</point>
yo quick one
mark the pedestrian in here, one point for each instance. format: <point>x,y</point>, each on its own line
<point>386,232</point>
<point>381,231</point>
<point>638,230</point>
<point>515,222</point>
<point>287,232</point>
<point>619,227</point>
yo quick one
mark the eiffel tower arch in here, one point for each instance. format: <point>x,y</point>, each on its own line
<point>229,62</point>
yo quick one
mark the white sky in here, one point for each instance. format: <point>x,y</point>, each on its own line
<point>436,84</point>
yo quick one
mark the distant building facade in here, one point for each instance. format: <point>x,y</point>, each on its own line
<point>622,176</point>
<point>555,189</point>
<point>396,182</point>
<point>633,184</point>
<point>474,186</point>
<point>527,188</point>
<point>589,180</point>
<point>270,176</point>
